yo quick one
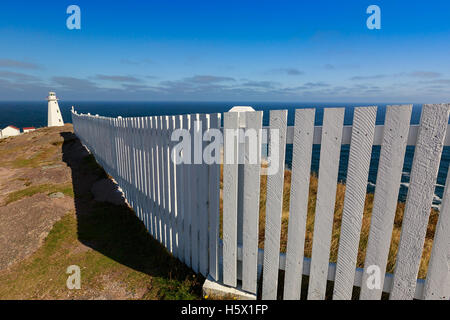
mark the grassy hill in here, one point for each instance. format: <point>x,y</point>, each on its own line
<point>49,220</point>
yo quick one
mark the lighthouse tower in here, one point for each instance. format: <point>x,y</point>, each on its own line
<point>54,114</point>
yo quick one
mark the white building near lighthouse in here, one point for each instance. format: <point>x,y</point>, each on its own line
<point>54,114</point>
<point>9,131</point>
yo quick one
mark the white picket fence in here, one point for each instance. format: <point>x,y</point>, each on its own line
<point>179,204</point>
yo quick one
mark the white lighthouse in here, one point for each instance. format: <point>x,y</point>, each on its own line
<point>54,114</point>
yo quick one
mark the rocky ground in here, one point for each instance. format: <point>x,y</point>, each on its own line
<point>59,208</point>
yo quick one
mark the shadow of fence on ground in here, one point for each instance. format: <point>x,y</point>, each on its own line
<point>114,230</point>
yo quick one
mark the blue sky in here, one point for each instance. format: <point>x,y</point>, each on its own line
<point>226,50</point>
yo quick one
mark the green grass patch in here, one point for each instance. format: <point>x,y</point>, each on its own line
<point>37,160</point>
<point>120,251</point>
<point>66,188</point>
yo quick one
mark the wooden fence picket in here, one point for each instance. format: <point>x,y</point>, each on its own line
<point>126,153</point>
<point>252,168</point>
<point>139,166</point>
<point>179,185</point>
<point>158,181</point>
<point>388,180</point>
<point>437,285</point>
<point>214,205</point>
<point>194,195</point>
<point>122,154</point>
<point>427,155</point>
<point>326,195</point>
<point>203,222</point>
<point>355,196</point>
<point>148,168</point>
<point>151,182</point>
<point>230,197</point>
<point>144,194</point>
<point>172,179</point>
<point>131,178</point>
<point>118,141</point>
<point>166,173</point>
<point>298,210</point>
<point>274,204</point>
<point>187,220</point>
<point>133,164</point>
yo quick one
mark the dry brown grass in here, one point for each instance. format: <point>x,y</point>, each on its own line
<point>339,204</point>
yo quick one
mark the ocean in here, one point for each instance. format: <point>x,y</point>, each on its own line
<point>27,114</point>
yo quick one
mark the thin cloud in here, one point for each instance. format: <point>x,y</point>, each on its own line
<point>116,78</point>
<point>72,83</point>
<point>287,71</point>
<point>316,84</point>
<point>9,63</point>
<point>136,62</point>
<point>17,76</point>
<point>415,74</point>
<point>259,84</point>
<point>206,87</point>
<point>425,74</point>
<point>293,72</point>
<point>438,81</point>
<point>197,83</point>
<point>139,87</point>
<point>206,79</point>
<point>378,76</point>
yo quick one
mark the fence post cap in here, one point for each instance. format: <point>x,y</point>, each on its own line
<point>241,110</point>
